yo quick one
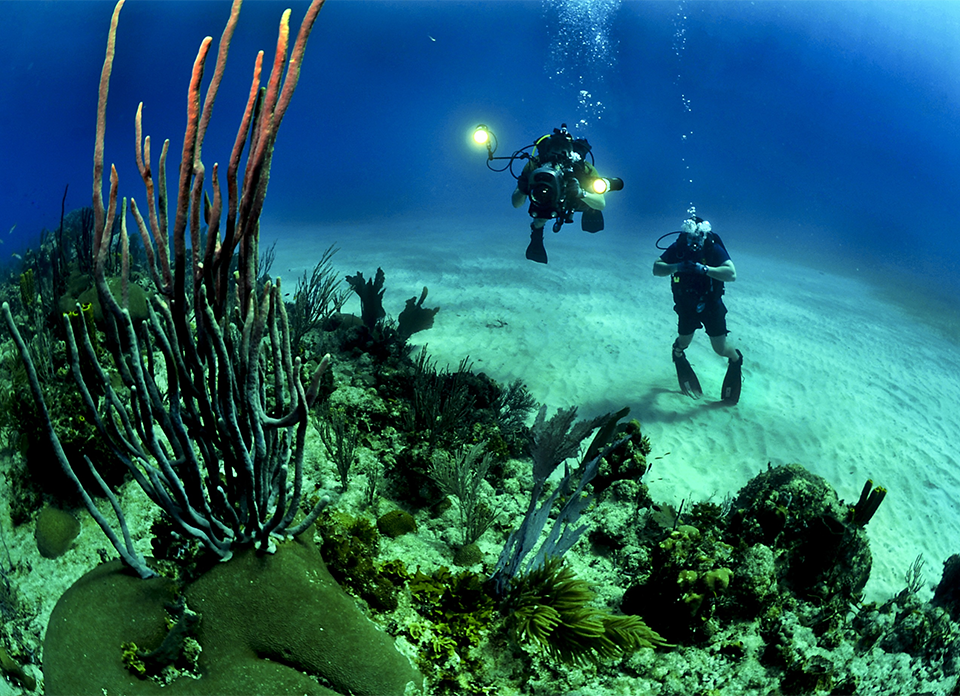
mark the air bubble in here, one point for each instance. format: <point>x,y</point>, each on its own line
<point>679,46</point>
<point>582,47</point>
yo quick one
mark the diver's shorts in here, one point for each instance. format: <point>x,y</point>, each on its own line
<point>711,317</point>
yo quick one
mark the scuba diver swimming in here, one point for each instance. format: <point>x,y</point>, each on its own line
<point>558,180</point>
<point>698,265</point>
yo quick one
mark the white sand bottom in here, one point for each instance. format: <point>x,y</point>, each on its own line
<point>836,379</point>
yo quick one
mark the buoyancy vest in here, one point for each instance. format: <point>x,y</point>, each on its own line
<point>694,288</point>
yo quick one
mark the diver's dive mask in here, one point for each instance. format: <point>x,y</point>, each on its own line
<point>696,231</point>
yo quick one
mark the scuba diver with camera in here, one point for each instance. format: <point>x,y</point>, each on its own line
<point>558,180</point>
<point>698,265</point>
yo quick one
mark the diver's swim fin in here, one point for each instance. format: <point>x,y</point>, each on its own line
<point>591,220</point>
<point>689,384</point>
<point>535,250</point>
<point>730,392</point>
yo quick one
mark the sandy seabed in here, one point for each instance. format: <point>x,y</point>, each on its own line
<point>836,378</point>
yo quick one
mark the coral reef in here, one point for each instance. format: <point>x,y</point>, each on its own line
<point>462,476</point>
<point>821,554</point>
<point>271,619</point>
<point>315,299</point>
<point>726,580</point>
<point>455,616</point>
<point>784,538</point>
<point>350,548</point>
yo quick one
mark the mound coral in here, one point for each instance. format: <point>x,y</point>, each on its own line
<point>279,620</point>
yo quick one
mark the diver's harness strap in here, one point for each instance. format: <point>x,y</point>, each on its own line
<point>691,289</point>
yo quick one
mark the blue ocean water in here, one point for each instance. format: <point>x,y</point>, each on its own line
<point>816,130</point>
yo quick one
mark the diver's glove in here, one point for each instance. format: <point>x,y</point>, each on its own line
<point>574,192</point>
<point>692,267</point>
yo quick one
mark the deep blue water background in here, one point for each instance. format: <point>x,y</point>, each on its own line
<point>826,131</point>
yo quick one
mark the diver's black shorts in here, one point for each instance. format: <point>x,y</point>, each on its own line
<point>711,317</point>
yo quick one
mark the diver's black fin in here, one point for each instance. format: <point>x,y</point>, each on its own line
<point>591,220</point>
<point>535,250</point>
<point>689,384</point>
<point>730,392</point>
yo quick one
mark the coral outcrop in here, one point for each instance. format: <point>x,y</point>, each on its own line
<point>273,623</point>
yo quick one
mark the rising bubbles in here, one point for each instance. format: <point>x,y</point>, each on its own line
<point>686,119</point>
<point>582,51</point>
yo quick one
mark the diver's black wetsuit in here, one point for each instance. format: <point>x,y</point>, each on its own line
<point>697,298</point>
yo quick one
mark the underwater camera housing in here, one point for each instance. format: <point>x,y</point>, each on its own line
<point>553,187</point>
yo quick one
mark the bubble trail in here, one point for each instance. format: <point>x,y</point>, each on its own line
<point>582,51</point>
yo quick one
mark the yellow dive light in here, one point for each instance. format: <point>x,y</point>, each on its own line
<point>602,184</point>
<point>482,135</point>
